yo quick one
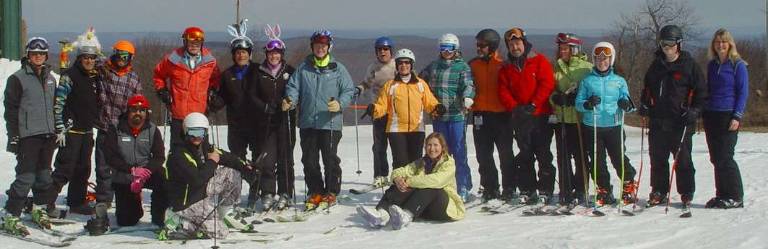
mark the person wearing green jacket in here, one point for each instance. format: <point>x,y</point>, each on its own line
<point>570,68</point>
<point>425,188</point>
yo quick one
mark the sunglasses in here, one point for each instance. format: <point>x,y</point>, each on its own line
<point>382,48</point>
<point>137,109</point>
<point>603,51</point>
<point>36,53</point>
<point>89,57</point>
<point>405,62</point>
<point>196,132</point>
<point>482,45</point>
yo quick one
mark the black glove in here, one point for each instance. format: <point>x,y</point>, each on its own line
<point>368,112</point>
<point>643,110</point>
<point>270,109</point>
<point>164,96</point>
<point>690,116</point>
<point>625,105</point>
<point>13,145</point>
<point>570,99</point>
<point>592,102</point>
<point>440,110</point>
<point>558,99</point>
<point>215,102</point>
<point>527,109</point>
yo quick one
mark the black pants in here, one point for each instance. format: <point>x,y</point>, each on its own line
<point>608,140</point>
<point>104,191</point>
<point>406,147</point>
<point>523,172</point>
<point>276,151</point>
<point>240,140</point>
<point>33,171</point>
<point>380,162</point>
<point>128,208</point>
<point>569,147</point>
<point>542,141</point>
<point>177,131</point>
<point>73,166</point>
<point>665,142</point>
<point>314,142</point>
<point>426,203</point>
<point>721,143</point>
<point>492,129</point>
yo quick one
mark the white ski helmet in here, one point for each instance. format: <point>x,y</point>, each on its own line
<point>195,120</point>
<point>448,40</point>
<point>88,43</point>
<point>605,49</point>
<point>405,53</point>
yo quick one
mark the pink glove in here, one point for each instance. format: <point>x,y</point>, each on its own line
<point>137,185</point>
<point>140,176</point>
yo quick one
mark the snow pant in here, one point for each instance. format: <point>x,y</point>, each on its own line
<point>223,192</point>
<point>380,163</point>
<point>406,147</point>
<point>523,172</point>
<point>665,142</point>
<point>426,203</point>
<point>276,165</point>
<point>608,140</point>
<point>721,143</point>
<point>569,147</point>
<point>240,140</point>
<point>542,142</point>
<point>73,166</point>
<point>314,142</point>
<point>104,191</point>
<point>33,171</point>
<point>128,208</point>
<point>491,129</point>
<point>457,145</point>
<point>177,131</point>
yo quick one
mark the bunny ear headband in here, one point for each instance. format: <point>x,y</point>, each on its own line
<point>273,37</point>
<point>239,31</point>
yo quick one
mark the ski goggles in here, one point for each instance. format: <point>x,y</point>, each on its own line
<point>667,43</point>
<point>196,132</point>
<point>482,45</point>
<point>274,45</point>
<point>446,47</point>
<point>514,33</point>
<point>37,44</point>
<point>194,36</point>
<point>324,39</point>
<point>603,51</point>
<point>404,61</point>
<point>123,55</point>
<point>567,38</point>
<point>89,57</point>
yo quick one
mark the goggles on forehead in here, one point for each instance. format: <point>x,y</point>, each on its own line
<point>38,43</point>
<point>196,132</point>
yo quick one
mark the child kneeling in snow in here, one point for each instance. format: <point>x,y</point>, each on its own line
<point>425,188</point>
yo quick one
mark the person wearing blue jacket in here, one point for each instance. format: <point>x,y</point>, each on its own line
<point>603,99</point>
<point>321,87</point>
<point>728,83</point>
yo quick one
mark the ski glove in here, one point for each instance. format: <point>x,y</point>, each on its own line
<point>286,104</point>
<point>140,176</point>
<point>468,103</point>
<point>368,111</point>
<point>440,110</point>
<point>13,145</point>
<point>527,110</point>
<point>164,96</point>
<point>592,102</point>
<point>215,102</point>
<point>643,110</point>
<point>558,99</point>
<point>334,106</point>
<point>359,90</point>
<point>570,99</point>
<point>61,139</point>
<point>690,116</point>
<point>625,105</point>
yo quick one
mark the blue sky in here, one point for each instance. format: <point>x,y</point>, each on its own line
<point>174,15</point>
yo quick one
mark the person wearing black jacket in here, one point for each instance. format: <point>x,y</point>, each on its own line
<point>277,134</point>
<point>673,96</point>
<point>197,187</point>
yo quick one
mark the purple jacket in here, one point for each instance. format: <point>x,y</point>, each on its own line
<point>728,87</point>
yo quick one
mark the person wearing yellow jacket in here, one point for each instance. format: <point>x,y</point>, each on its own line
<point>403,101</point>
<point>425,188</point>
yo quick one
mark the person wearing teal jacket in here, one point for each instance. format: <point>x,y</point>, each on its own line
<point>603,99</point>
<point>450,79</point>
<point>570,68</point>
<point>322,88</point>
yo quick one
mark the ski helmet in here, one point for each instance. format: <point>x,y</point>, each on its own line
<point>514,33</point>
<point>324,37</point>
<point>241,43</point>
<point>491,37</point>
<point>195,120</point>
<point>37,44</point>
<point>604,49</point>
<point>448,42</point>
<point>384,42</point>
<point>669,35</point>
<point>571,40</point>
<point>274,45</point>
<point>405,54</point>
<point>124,45</point>
<point>138,100</point>
<point>193,34</point>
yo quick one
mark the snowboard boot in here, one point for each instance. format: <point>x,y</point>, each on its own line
<point>312,202</point>
<point>686,200</point>
<point>40,216</point>
<point>376,218</point>
<point>509,196</point>
<point>656,198</point>
<point>726,203</point>
<point>399,218</point>
<point>712,203</point>
<point>12,225</point>
<point>543,199</point>
<point>283,202</point>
<point>267,200</point>
<point>628,192</point>
<point>528,198</point>
<point>605,197</point>
<point>99,223</point>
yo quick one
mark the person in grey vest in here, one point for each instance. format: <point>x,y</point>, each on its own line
<point>135,151</point>
<point>28,102</point>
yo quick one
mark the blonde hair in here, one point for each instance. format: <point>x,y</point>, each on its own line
<point>441,140</point>
<point>733,53</point>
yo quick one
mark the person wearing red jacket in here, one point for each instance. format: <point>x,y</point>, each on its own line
<point>186,79</point>
<point>525,83</point>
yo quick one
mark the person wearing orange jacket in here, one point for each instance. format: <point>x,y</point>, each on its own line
<point>489,118</point>
<point>525,83</point>
<point>187,79</point>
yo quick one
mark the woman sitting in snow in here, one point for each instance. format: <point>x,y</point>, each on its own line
<point>425,188</point>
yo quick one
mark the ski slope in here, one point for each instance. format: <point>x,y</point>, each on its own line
<point>736,228</point>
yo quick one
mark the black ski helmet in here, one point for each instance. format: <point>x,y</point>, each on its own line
<point>671,33</point>
<point>491,37</point>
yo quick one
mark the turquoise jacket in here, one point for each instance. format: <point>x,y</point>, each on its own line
<point>311,88</point>
<point>610,88</point>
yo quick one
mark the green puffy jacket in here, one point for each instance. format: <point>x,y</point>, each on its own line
<point>443,177</point>
<point>567,78</point>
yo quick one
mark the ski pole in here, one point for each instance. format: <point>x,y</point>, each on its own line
<point>594,157</point>
<point>640,174</point>
<point>621,183</point>
<point>677,154</point>
<point>565,179</point>
<point>584,173</point>
<point>357,140</point>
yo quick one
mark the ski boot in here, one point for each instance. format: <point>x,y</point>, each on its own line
<point>686,200</point>
<point>99,224</point>
<point>490,195</point>
<point>40,216</point>
<point>12,225</point>
<point>605,197</point>
<point>313,202</point>
<point>399,218</point>
<point>267,200</point>
<point>509,196</point>
<point>283,202</point>
<point>528,198</point>
<point>464,194</point>
<point>376,218</point>
<point>656,198</point>
<point>628,192</point>
<point>329,200</point>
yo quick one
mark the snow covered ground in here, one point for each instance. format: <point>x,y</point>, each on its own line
<point>738,228</point>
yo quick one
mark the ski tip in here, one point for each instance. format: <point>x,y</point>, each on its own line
<point>598,213</point>
<point>686,215</point>
<point>627,213</point>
